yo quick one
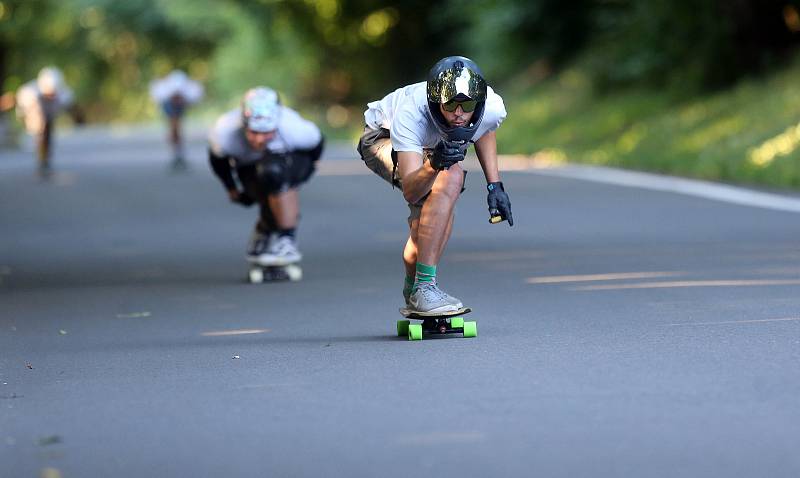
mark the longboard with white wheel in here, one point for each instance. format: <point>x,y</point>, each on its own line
<point>441,323</point>
<point>260,272</point>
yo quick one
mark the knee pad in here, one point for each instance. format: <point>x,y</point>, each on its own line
<point>273,174</point>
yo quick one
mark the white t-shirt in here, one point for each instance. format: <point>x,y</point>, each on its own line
<point>293,133</point>
<point>165,88</point>
<point>35,110</point>
<point>404,112</point>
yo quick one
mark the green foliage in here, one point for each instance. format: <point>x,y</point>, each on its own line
<point>747,134</point>
<point>686,45</point>
<point>339,54</point>
<point>318,52</point>
<point>508,35</point>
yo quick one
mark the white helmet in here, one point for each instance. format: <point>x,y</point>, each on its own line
<point>177,81</point>
<point>50,80</point>
<point>261,109</point>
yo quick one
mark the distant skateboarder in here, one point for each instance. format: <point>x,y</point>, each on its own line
<point>272,150</point>
<point>415,139</point>
<point>174,94</point>
<point>39,102</point>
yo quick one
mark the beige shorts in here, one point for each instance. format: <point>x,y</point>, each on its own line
<point>375,148</point>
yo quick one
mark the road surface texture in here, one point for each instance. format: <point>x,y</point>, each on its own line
<point>622,331</point>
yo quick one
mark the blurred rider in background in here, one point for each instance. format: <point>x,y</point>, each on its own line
<point>262,152</point>
<point>174,94</point>
<point>39,102</point>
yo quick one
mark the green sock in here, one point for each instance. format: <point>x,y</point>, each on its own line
<point>409,284</point>
<point>425,273</point>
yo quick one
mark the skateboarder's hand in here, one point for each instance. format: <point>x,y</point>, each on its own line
<point>499,204</point>
<point>446,154</point>
<point>240,197</point>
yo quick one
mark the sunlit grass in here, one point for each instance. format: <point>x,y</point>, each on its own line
<point>747,134</point>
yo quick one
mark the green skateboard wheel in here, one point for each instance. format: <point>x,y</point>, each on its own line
<point>415,332</point>
<point>457,322</point>
<point>470,329</point>
<point>402,327</point>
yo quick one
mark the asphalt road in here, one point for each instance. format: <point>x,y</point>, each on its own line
<point>621,331</point>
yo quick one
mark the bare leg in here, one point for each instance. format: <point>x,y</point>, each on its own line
<point>436,219</point>
<point>410,250</point>
<point>176,141</point>
<point>285,207</point>
<point>43,145</point>
<point>447,233</point>
<point>175,131</point>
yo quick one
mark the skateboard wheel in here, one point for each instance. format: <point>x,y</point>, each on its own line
<point>294,272</point>
<point>457,322</point>
<point>415,332</point>
<point>256,276</point>
<point>402,327</point>
<point>470,329</point>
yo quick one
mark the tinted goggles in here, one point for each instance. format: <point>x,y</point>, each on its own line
<point>467,106</point>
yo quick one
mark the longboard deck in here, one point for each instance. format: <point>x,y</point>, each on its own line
<point>256,263</point>
<point>436,315</point>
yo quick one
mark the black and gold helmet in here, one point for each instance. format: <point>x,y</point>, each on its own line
<point>456,79</point>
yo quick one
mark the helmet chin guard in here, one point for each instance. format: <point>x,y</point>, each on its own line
<point>456,77</point>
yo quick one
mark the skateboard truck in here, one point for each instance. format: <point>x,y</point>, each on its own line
<point>436,324</point>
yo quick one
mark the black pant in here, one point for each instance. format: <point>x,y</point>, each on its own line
<point>43,141</point>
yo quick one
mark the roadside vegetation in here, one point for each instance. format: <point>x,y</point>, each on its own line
<point>700,88</point>
<point>747,133</point>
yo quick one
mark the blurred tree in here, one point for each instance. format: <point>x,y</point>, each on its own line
<point>344,52</point>
<point>508,36</point>
<point>687,44</point>
<point>364,48</point>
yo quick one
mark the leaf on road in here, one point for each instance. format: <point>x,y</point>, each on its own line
<point>49,440</point>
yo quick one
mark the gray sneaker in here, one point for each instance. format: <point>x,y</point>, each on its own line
<point>428,298</point>
<point>452,299</point>
<point>449,298</point>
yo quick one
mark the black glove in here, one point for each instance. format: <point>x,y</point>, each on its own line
<point>446,154</point>
<point>499,204</point>
<point>242,198</point>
